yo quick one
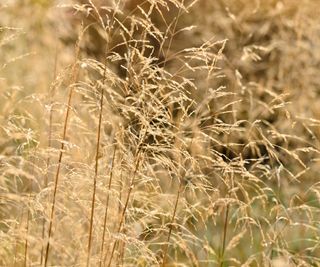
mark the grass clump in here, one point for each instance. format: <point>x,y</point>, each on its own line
<point>151,135</point>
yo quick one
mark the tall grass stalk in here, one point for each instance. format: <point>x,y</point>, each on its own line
<point>104,228</point>
<point>74,76</point>
<point>224,237</point>
<point>26,245</point>
<point>166,246</point>
<point>95,177</point>
<point>123,214</point>
<point>46,177</point>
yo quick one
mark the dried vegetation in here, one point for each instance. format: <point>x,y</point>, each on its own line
<point>159,133</point>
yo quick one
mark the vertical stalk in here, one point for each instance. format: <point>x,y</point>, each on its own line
<point>121,185</point>
<point>75,71</point>
<point>95,179</point>
<point>46,178</point>
<point>120,258</point>
<point>126,205</point>
<point>165,250</point>
<point>26,245</point>
<point>225,228</point>
<point>171,37</point>
<point>107,206</point>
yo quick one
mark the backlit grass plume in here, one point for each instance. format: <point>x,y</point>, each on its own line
<point>159,133</point>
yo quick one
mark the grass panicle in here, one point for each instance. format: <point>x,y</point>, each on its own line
<point>174,133</point>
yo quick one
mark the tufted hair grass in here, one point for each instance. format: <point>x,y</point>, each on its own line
<point>159,133</point>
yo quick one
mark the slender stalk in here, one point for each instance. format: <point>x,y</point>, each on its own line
<point>120,257</point>
<point>95,179</point>
<point>107,206</point>
<point>46,178</point>
<point>171,38</point>
<point>26,245</point>
<point>165,251</point>
<point>126,205</point>
<point>121,186</point>
<point>75,71</point>
<point>277,236</point>
<point>111,172</point>
<point>225,228</point>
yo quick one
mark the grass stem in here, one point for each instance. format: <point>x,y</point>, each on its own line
<point>95,178</point>
<point>75,72</point>
<point>131,186</point>
<point>225,228</point>
<point>165,250</point>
